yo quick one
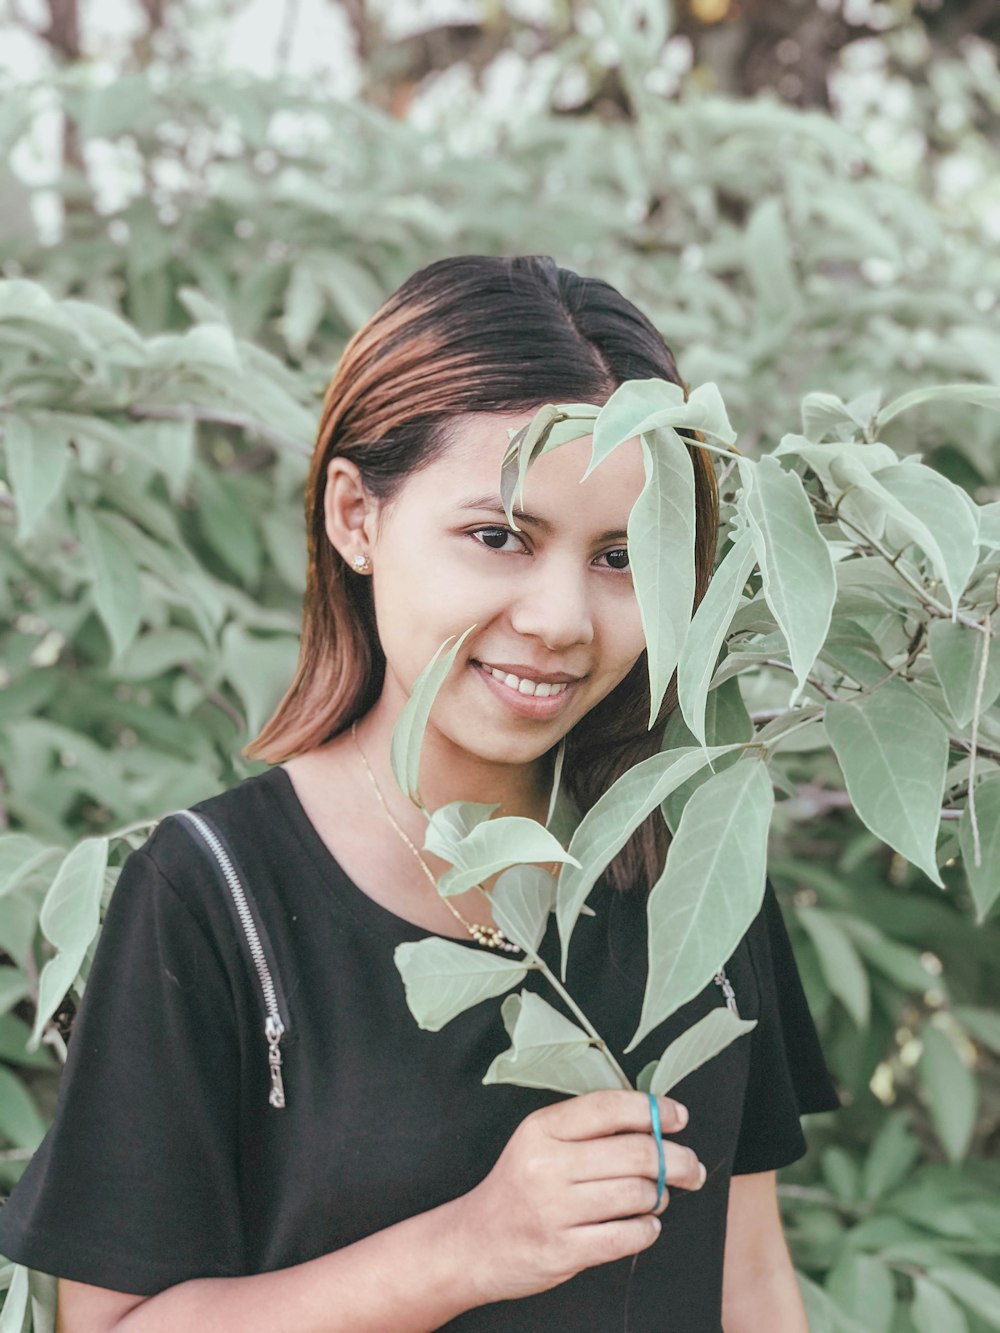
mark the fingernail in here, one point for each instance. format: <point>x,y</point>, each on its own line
<point>702,1173</point>
<point>682,1114</point>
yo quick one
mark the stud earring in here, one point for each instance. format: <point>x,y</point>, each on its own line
<point>361,564</point>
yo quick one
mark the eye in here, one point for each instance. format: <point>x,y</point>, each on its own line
<point>493,533</point>
<point>620,553</point>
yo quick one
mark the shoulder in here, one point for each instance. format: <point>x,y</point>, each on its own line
<point>176,860</point>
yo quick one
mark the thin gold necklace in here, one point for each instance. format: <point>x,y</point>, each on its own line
<point>490,937</point>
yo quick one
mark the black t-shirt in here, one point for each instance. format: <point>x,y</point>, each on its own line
<point>166,1162</point>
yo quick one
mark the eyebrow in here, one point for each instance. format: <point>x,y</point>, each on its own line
<point>492,503</point>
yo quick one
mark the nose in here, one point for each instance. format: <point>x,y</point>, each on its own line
<point>553,604</point>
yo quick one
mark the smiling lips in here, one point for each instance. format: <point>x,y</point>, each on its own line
<point>524,685</point>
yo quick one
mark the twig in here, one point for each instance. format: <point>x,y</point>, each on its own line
<point>977,850</point>
<point>929,601</point>
<point>214,697</point>
<point>810,680</point>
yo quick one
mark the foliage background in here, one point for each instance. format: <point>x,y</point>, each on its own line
<point>803,197</point>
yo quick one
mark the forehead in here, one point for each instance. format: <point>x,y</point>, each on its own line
<point>470,466</point>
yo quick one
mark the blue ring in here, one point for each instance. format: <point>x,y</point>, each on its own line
<point>654,1111</point>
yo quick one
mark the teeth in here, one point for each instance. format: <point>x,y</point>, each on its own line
<point>540,689</point>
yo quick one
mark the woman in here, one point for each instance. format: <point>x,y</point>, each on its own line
<point>370,1181</point>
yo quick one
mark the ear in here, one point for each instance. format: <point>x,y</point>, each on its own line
<point>349,510</point>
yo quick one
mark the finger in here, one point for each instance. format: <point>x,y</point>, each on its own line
<point>604,1242</point>
<point>634,1155</point>
<point>606,1200</point>
<point>596,1114</point>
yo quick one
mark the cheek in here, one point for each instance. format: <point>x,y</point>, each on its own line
<point>625,636</point>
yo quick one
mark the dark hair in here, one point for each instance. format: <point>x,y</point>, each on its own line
<point>474,333</point>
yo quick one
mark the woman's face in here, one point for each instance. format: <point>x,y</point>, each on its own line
<point>555,599</point>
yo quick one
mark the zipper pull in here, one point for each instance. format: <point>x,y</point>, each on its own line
<point>273,1031</point>
<point>726,985</point>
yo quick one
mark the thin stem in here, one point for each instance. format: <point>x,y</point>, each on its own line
<point>817,685</point>
<point>564,994</point>
<point>929,601</point>
<point>977,850</point>
<point>539,965</point>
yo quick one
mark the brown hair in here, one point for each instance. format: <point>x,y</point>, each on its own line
<point>474,334</point>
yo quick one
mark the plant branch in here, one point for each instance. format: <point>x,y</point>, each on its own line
<point>984,657</point>
<point>930,602</point>
<point>215,697</point>
<point>541,966</point>
<point>810,680</point>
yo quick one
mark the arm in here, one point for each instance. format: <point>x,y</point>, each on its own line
<point>410,1278</point>
<point>759,1290</point>
<point>574,1187</point>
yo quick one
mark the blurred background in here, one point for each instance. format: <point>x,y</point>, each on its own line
<point>200,200</point>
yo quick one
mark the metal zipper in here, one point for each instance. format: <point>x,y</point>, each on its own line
<point>726,986</point>
<point>273,1026</point>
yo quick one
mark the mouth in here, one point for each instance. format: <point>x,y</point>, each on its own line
<point>528,698</point>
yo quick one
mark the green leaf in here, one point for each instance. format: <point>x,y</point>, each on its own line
<point>727,723</point>
<point>15,1035</point>
<point>824,415</point>
<point>799,582</point>
<point>841,1173</point>
<point>935,505</point>
<point>557,769</point>
<point>696,1046</point>
<point>610,822</point>
<point>972,1290</point>
<point>408,733</point>
<point>767,260</point>
<point>15,1305</point>
<point>661,534</point>
<point>639,407</point>
<point>305,304</point>
<point>984,1024</point>
<point>21,1122</point>
<point>443,978</point>
<point>14,986</point>
<point>548,1051</point>
<point>863,1286</point>
<point>259,668</point>
<point>496,844</point>
<point>956,652</point>
<point>894,755</point>
<point>645,1075</point>
<point>934,1311</point>
<point>821,1313</point>
<point>700,651</point>
<point>551,426</point>
<point>449,824</point>
<point>117,592</point>
<point>711,888</point>
<point>522,899</point>
<point>989,525</point>
<point>37,458</point>
<point>951,1091</point>
<point>839,962</point>
<point>980,395</point>
<point>69,919</point>
<point>892,1155</point>
<point>984,879</point>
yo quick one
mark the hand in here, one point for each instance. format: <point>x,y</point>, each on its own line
<point>574,1187</point>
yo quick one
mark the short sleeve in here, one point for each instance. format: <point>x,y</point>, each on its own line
<point>788,1076</point>
<point>135,1187</point>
